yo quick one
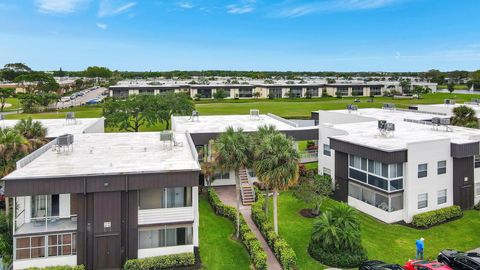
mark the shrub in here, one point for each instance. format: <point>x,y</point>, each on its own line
<point>59,267</point>
<point>431,218</point>
<point>257,254</point>
<point>284,253</point>
<point>337,259</point>
<point>477,206</point>
<point>161,262</point>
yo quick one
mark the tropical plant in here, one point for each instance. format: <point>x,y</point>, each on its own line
<point>464,116</point>
<point>4,94</point>
<point>314,190</point>
<point>33,131</point>
<point>257,139</point>
<point>276,164</point>
<point>13,146</point>
<point>451,87</point>
<point>220,94</point>
<point>6,239</point>
<point>338,229</point>
<point>232,153</point>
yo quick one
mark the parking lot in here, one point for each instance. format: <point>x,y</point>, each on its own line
<point>82,97</point>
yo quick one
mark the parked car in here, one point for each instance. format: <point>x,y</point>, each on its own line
<point>92,101</point>
<point>425,265</point>
<point>459,260</point>
<point>65,99</point>
<point>379,265</point>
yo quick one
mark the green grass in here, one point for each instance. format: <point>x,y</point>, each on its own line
<point>391,243</point>
<point>15,104</point>
<point>311,166</point>
<point>288,108</point>
<point>217,248</point>
<point>456,86</point>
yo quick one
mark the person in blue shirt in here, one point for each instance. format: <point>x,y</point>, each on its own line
<point>420,244</point>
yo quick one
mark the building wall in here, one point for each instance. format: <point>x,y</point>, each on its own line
<point>429,152</point>
<point>328,162</point>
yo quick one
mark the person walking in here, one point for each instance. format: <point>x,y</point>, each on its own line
<point>420,244</point>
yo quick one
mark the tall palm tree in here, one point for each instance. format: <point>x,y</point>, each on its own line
<point>13,146</point>
<point>277,165</point>
<point>32,131</point>
<point>257,139</point>
<point>232,153</point>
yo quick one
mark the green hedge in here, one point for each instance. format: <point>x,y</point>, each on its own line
<point>335,259</point>
<point>257,254</point>
<point>161,262</point>
<point>431,218</point>
<point>59,267</point>
<point>477,206</point>
<point>284,253</point>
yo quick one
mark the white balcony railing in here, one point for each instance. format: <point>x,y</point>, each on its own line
<point>46,224</point>
<point>308,155</point>
<point>165,215</point>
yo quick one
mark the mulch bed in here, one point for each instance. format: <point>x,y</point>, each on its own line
<point>308,213</point>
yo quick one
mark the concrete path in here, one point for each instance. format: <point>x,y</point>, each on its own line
<point>228,197</point>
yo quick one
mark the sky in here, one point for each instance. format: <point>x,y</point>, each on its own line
<point>283,35</point>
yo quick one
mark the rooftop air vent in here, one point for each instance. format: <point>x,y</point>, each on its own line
<point>449,102</point>
<point>385,128</point>
<point>70,118</point>
<point>167,138</point>
<point>195,115</point>
<point>441,122</point>
<point>64,143</point>
<point>255,114</point>
<point>388,106</point>
<point>351,107</point>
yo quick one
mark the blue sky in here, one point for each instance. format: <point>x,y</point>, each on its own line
<point>298,35</point>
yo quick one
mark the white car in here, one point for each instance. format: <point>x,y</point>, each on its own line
<point>65,99</point>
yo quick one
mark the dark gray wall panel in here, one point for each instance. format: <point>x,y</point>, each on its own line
<point>370,153</point>
<point>464,150</point>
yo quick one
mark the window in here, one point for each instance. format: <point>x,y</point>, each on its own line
<point>62,244</point>
<point>477,161</point>
<point>165,198</point>
<point>422,200</point>
<point>422,170</point>
<point>221,175</point>
<point>326,150</point>
<point>296,92</point>
<point>342,91</point>
<point>442,196</point>
<point>388,203</point>
<point>477,189</point>
<point>375,90</point>
<point>45,206</point>
<point>442,167</point>
<point>165,236</point>
<point>34,246</point>
<point>396,170</point>
<point>327,171</point>
<point>357,91</point>
<point>245,92</point>
<point>312,91</point>
<point>375,173</point>
<point>275,92</point>
<point>205,93</point>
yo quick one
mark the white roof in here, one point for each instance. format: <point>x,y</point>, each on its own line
<point>220,123</point>
<point>112,153</point>
<point>57,127</point>
<point>364,131</point>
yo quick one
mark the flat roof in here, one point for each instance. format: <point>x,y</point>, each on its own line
<point>57,127</point>
<point>220,123</point>
<point>365,132</point>
<point>111,154</point>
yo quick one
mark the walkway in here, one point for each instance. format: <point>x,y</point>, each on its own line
<point>228,197</point>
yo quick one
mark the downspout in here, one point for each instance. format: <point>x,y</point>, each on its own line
<point>127,219</point>
<point>85,225</point>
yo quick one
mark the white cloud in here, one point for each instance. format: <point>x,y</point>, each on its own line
<point>333,6</point>
<point>102,26</point>
<point>239,9</point>
<point>112,8</point>
<point>61,6</point>
<point>186,5</point>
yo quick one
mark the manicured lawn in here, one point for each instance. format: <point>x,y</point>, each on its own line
<point>217,249</point>
<point>391,243</point>
<point>288,108</point>
<point>14,102</point>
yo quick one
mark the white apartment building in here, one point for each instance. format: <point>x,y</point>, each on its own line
<point>394,175</point>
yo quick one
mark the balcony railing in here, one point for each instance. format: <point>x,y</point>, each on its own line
<point>46,224</point>
<point>308,155</point>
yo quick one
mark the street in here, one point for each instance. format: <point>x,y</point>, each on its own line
<point>92,94</point>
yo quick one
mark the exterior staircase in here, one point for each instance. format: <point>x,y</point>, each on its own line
<point>246,189</point>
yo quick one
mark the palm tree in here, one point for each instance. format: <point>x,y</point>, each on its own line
<point>338,228</point>
<point>32,131</point>
<point>464,116</point>
<point>232,153</point>
<point>276,165</point>
<point>13,146</point>
<point>209,165</point>
<point>257,139</point>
